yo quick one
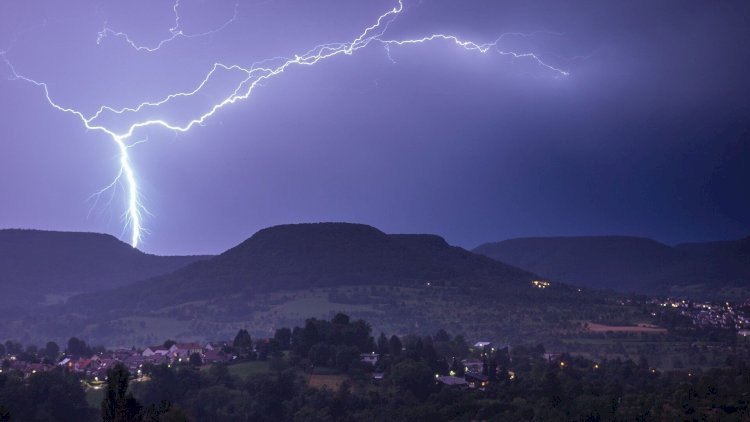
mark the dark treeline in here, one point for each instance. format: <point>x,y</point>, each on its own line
<point>523,385</point>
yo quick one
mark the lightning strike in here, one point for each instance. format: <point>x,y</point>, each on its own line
<point>174,30</point>
<point>254,76</point>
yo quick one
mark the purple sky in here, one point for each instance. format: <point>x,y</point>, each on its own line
<point>649,135</point>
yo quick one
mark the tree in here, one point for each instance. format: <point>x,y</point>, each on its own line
<point>163,412</point>
<point>195,360</point>
<point>442,336</point>
<point>320,354</point>
<point>119,405</point>
<point>461,346</point>
<point>346,356</point>
<point>13,348</point>
<point>456,368</point>
<point>77,347</point>
<point>2,350</point>
<point>383,344</point>
<point>242,341</point>
<point>169,343</point>
<point>56,395</point>
<point>52,351</point>
<point>493,369</point>
<point>412,376</point>
<point>284,337</point>
<point>174,414</point>
<point>394,346</point>
<point>340,319</point>
<point>4,414</point>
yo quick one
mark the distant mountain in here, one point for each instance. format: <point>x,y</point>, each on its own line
<point>36,265</point>
<point>721,263</point>
<point>630,263</point>
<point>284,274</point>
<point>304,256</point>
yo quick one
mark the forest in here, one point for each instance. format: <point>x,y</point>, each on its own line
<point>524,383</point>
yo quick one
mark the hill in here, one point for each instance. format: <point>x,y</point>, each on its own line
<point>630,263</point>
<point>37,266</point>
<point>284,274</point>
<point>304,256</point>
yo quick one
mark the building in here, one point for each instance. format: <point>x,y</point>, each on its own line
<point>477,380</point>
<point>155,351</point>
<point>452,381</point>
<point>371,358</point>
<point>214,356</point>
<point>482,344</point>
<point>184,350</point>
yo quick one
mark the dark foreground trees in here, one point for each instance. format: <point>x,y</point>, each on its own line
<point>524,386</point>
<point>118,404</point>
<point>44,396</point>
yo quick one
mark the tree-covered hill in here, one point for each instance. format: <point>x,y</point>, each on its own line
<point>630,263</point>
<point>35,264</point>
<point>304,256</point>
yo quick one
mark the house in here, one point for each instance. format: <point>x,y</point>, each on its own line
<point>155,350</point>
<point>476,380</point>
<point>452,381</point>
<point>214,345</point>
<point>136,362</point>
<point>33,368</point>
<point>155,359</point>
<point>371,358</point>
<point>214,356</point>
<point>122,354</point>
<point>184,350</point>
<point>81,365</point>
<point>106,363</point>
<point>482,344</point>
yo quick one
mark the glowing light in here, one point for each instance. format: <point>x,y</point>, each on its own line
<point>540,284</point>
<point>253,76</point>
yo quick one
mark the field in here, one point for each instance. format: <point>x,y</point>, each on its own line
<point>94,397</point>
<point>558,319</point>
<point>332,382</point>
<point>647,329</point>
<point>245,369</point>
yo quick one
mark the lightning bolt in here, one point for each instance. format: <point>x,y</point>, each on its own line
<point>252,77</point>
<point>174,30</point>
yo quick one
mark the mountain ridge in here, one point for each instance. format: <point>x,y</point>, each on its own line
<point>38,263</point>
<point>629,263</point>
<point>313,255</point>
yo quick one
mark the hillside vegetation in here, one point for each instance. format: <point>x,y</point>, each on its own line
<point>631,264</point>
<point>38,266</point>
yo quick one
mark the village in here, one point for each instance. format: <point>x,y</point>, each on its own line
<point>474,372</point>
<point>709,314</point>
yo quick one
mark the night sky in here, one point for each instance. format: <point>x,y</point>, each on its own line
<point>649,135</point>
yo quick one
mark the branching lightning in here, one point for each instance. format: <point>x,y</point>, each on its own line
<point>253,76</point>
<point>175,32</point>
